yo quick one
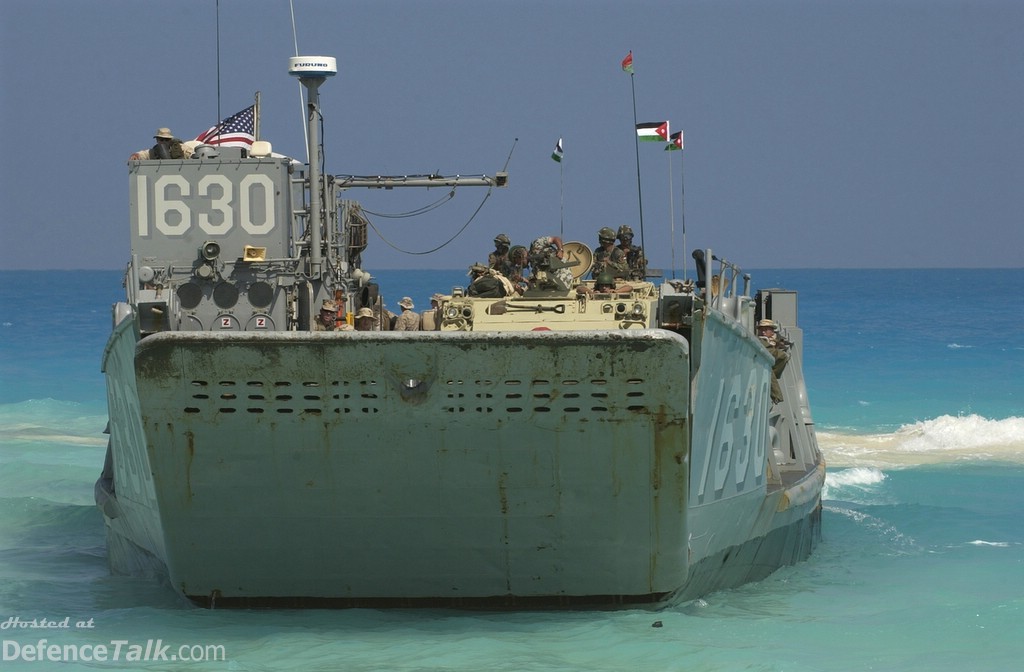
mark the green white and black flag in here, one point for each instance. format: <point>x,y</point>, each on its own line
<point>652,131</point>
<point>675,141</point>
<point>557,154</point>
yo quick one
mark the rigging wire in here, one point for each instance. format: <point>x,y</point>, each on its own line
<point>458,233</point>
<point>418,211</point>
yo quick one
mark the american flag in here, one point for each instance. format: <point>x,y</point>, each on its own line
<point>235,131</point>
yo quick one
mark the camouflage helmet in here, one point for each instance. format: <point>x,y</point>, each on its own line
<point>625,230</point>
<point>606,233</point>
<point>516,250</point>
<point>502,239</point>
<point>604,280</point>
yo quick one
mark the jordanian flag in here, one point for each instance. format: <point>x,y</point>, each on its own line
<point>557,154</point>
<point>675,141</point>
<point>652,131</point>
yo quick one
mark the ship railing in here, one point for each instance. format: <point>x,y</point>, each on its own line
<point>722,287</point>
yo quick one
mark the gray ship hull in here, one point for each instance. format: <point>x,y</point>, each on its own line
<point>401,468</point>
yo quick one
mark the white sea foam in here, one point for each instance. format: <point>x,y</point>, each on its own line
<point>943,439</point>
<point>881,529</point>
<point>852,484</point>
<point>861,476</point>
<point>46,421</point>
<point>980,542</point>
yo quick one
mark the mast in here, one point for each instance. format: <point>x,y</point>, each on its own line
<point>313,71</point>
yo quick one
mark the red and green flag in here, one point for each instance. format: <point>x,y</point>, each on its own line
<point>627,62</point>
<point>675,141</point>
<point>652,131</point>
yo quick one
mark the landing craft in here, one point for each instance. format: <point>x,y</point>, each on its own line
<point>571,442</point>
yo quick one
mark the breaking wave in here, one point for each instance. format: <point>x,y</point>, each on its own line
<point>943,439</point>
<point>854,484</point>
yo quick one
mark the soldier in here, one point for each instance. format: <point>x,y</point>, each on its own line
<point>167,147</point>
<point>545,252</point>
<point>517,262</point>
<point>365,320</point>
<point>608,257</point>
<point>778,348</point>
<point>498,260</point>
<point>604,284</point>
<point>327,319</point>
<point>430,320</point>
<point>635,260</point>
<point>408,320</point>
<point>486,283</point>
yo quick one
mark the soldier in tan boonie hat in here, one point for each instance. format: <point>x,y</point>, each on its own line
<point>327,320</point>
<point>409,320</point>
<point>365,320</point>
<point>167,147</point>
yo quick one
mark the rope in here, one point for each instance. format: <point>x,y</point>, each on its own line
<point>419,211</point>
<point>442,245</point>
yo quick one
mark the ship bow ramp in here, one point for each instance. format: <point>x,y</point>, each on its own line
<point>386,465</point>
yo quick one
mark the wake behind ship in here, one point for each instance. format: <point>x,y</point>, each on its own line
<point>570,442</point>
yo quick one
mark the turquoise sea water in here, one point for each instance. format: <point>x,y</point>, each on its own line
<point>915,381</point>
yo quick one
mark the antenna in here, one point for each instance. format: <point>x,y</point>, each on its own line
<point>313,71</point>
<point>218,63</point>
<point>295,39</point>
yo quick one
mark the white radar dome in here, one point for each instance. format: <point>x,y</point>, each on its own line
<point>312,66</point>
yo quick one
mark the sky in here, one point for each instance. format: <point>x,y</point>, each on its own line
<point>827,134</point>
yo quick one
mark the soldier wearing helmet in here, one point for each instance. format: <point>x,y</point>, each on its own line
<point>605,284</point>
<point>607,257</point>
<point>635,259</point>
<point>498,260</point>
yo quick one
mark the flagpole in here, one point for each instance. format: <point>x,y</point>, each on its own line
<point>628,66</point>
<point>682,202</point>
<point>676,143</point>
<point>256,117</point>
<point>561,200</point>
<point>672,215</point>
<point>556,155</point>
